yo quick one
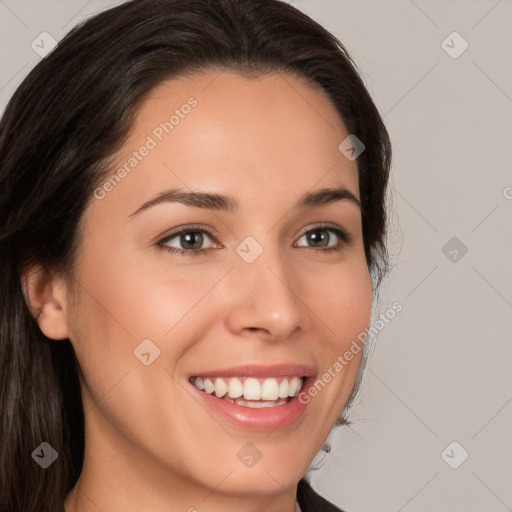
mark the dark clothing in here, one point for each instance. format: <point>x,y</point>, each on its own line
<point>310,501</point>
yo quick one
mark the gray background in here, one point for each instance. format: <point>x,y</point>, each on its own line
<point>440,371</point>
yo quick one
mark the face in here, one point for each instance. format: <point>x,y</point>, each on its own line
<point>257,291</point>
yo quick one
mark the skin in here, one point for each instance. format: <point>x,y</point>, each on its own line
<point>150,446</point>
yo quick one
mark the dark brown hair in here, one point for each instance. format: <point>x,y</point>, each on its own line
<point>67,118</point>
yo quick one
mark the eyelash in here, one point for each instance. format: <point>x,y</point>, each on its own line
<point>344,236</point>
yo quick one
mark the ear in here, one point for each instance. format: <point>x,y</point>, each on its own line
<point>45,294</point>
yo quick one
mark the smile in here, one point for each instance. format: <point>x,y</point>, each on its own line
<point>255,397</point>
<point>249,391</point>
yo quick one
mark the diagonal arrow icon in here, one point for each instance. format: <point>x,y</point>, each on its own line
<point>249,455</point>
<point>454,455</point>
<point>351,147</point>
<point>249,249</point>
<point>146,352</point>
<point>44,455</point>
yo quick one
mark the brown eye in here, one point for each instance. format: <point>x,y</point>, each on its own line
<point>190,241</point>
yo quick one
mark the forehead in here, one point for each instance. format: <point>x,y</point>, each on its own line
<point>267,137</point>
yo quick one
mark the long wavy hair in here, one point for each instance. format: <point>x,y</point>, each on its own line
<point>70,114</point>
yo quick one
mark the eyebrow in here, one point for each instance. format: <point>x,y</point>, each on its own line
<point>220,202</point>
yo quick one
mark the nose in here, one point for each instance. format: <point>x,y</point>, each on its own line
<point>263,298</point>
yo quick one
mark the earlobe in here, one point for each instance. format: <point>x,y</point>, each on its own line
<point>45,295</point>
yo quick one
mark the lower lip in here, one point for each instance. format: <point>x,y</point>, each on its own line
<point>263,419</point>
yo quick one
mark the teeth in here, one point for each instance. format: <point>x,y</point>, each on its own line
<point>250,388</point>
<point>221,388</point>
<point>283,389</point>
<point>235,388</point>
<point>270,390</point>
<point>208,386</point>
<point>260,404</point>
<point>294,387</point>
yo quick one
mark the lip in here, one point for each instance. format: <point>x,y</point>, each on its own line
<point>264,419</point>
<point>251,370</point>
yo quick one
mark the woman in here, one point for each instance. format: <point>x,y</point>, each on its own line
<point>192,231</point>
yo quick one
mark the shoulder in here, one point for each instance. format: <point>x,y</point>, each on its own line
<point>310,501</point>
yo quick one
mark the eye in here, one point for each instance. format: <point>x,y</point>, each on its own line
<point>189,241</point>
<point>321,236</point>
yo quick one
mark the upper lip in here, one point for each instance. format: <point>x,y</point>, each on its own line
<point>252,370</point>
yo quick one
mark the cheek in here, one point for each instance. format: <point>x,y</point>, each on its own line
<point>128,300</point>
<point>345,309</point>
<point>101,344</point>
<point>343,300</point>
<point>122,301</point>
<point>104,321</point>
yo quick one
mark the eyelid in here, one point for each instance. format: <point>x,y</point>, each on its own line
<point>327,225</point>
<point>344,236</point>
<point>186,228</point>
